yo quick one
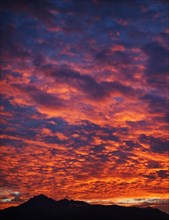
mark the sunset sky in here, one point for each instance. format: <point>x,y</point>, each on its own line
<point>84,109</point>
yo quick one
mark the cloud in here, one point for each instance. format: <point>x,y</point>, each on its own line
<point>156,52</point>
<point>41,97</point>
<point>132,144</point>
<point>89,86</point>
<point>157,145</point>
<point>163,174</point>
<point>114,57</point>
<point>153,164</point>
<point>157,64</point>
<point>160,146</point>
<point>40,10</point>
<point>156,104</point>
<point>9,196</point>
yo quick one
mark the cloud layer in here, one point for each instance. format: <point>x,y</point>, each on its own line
<point>84,100</point>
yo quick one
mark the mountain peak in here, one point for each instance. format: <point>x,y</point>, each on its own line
<point>41,196</point>
<point>40,201</point>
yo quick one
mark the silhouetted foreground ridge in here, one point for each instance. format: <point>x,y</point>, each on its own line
<point>43,208</point>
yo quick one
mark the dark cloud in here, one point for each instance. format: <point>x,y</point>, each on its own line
<point>52,140</point>
<point>12,46</point>
<point>157,59</point>
<point>153,164</point>
<point>114,58</point>
<point>98,148</point>
<point>84,82</point>
<point>163,174</point>
<point>40,97</point>
<point>157,104</point>
<point>123,155</point>
<point>39,10</point>
<point>150,177</point>
<point>12,142</point>
<point>110,137</point>
<point>93,89</point>
<point>160,146</point>
<point>137,124</point>
<point>157,64</point>
<point>157,145</point>
<point>132,144</point>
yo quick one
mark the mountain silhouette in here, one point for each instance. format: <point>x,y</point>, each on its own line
<point>44,208</point>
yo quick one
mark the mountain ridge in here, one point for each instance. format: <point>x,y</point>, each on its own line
<point>44,208</point>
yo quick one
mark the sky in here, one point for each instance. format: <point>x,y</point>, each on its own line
<point>84,101</point>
